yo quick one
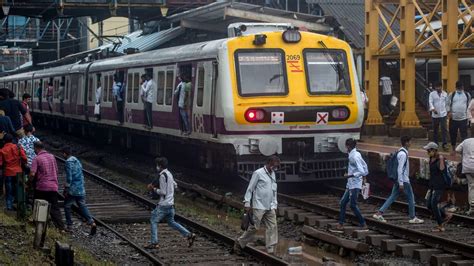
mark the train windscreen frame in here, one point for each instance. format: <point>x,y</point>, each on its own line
<point>327,72</point>
<point>261,72</point>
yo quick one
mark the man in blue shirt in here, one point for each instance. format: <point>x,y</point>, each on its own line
<point>117,91</point>
<point>74,190</point>
<point>356,171</point>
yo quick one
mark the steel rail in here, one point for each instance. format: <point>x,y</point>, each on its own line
<point>398,231</point>
<point>256,253</point>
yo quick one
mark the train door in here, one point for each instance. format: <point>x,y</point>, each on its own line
<point>67,89</point>
<point>203,98</point>
<point>185,71</point>
<point>133,104</point>
<point>15,89</point>
<point>74,97</point>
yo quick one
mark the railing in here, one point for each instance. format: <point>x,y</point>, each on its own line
<point>422,93</point>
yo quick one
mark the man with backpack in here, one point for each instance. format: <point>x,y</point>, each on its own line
<point>356,171</point>
<point>439,181</point>
<point>437,102</point>
<point>458,102</point>
<point>165,208</point>
<point>398,169</point>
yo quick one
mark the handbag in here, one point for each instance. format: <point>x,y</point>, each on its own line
<point>97,109</point>
<point>246,220</point>
<point>459,173</point>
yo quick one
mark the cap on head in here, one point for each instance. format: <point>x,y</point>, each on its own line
<point>431,146</point>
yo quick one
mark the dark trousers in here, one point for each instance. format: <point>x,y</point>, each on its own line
<point>432,205</point>
<point>54,211</point>
<point>454,127</point>
<point>61,106</point>
<point>147,111</point>
<point>120,111</point>
<point>386,106</point>
<point>437,123</point>
<point>350,196</point>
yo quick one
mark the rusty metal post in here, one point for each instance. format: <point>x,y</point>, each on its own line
<point>372,63</point>
<point>407,117</point>
<point>449,57</point>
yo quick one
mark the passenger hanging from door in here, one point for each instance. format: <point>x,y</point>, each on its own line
<point>182,92</point>
<point>147,94</point>
<point>117,90</point>
<point>49,96</point>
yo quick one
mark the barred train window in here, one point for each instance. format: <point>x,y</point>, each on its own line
<point>261,73</point>
<point>160,85</point>
<point>129,87</point>
<point>200,87</point>
<point>169,87</point>
<point>109,88</point>
<point>136,86</point>
<point>327,72</point>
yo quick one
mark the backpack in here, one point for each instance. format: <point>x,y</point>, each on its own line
<point>447,174</point>
<point>392,166</point>
<point>468,96</point>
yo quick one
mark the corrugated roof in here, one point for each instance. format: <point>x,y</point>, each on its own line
<point>151,41</point>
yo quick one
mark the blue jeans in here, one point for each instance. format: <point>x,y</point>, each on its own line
<point>81,203</point>
<point>9,191</point>
<point>395,193</point>
<point>164,212</point>
<point>184,118</point>
<point>350,195</point>
<point>432,204</point>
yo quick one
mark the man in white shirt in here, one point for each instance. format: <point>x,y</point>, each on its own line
<point>466,148</point>
<point>437,103</point>
<point>98,99</point>
<point>356,171</point>
<point>261,200</point>
<point>403,184</point>
<point>458,102</point>
<point>147,95</point>
<point>165,207</point>
<point>386,85</point>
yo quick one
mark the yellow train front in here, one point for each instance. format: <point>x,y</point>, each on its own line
<point>294,94</point>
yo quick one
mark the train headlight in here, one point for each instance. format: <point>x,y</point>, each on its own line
<point>340,113</point>
<point>254,115</point>
<point>292,35</point>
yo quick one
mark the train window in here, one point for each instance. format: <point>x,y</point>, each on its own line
<point>200,86</point>
<point>327,72</point>
<point>105,87</point>
<point>89,89</point>
<point>66,94</point>
<point>160,84</point>
<point>56,88</point>
<point>129,87</point>
<point>45,88</point>
<point>261,73</point>
<point>109,88</point>
<point>136,86</point>
<point>169,87</point>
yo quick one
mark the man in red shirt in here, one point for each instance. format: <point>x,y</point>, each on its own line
<point>11,157</point>
<point>45,170</point>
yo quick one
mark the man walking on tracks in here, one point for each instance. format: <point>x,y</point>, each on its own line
<point>165,208</point>
<point>466,148</point>
<point>45,170</point>
<point>356,171</point>
<point>74,190</point>
<point>401,184</point>
<point>261,200</point>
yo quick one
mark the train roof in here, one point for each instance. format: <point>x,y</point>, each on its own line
<point>163,56</point>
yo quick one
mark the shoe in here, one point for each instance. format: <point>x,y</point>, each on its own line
<point>338,229</point>
<point>237,249</point>
<point>93,229</point>
<point>363,228</point>
<point>152,246</point>
<point>69,229</point>
<point>379,217</point>
<point>191,239</point>
<point>438,229</point>
<point>445,147</point>
<point>270,250</point>
<point>416,220</point>
<point>452,209</point>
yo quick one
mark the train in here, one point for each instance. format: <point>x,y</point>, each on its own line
<point>283,91</point>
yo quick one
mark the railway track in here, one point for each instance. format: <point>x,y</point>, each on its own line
<point>127,214</point>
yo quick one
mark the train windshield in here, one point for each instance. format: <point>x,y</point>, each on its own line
<point>327,72</point>
<point>261,73</point>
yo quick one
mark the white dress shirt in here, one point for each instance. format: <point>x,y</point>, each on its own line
<point>403,166</point>
<point>147,91</point>
<point>357,168</point>
<point>262,190</point>
<point>166,189</point>
<point>466,148</point>
<point>438,103</point>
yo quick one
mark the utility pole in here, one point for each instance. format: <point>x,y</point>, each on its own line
<point>101,32</point>
<point>58,40</point>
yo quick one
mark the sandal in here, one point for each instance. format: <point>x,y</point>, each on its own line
<point>438,229</point>
<point>191,239</point>
<point>152,246</point>
<point>93,229</point>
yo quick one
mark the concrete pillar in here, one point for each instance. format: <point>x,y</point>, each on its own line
<point>449,57</point>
